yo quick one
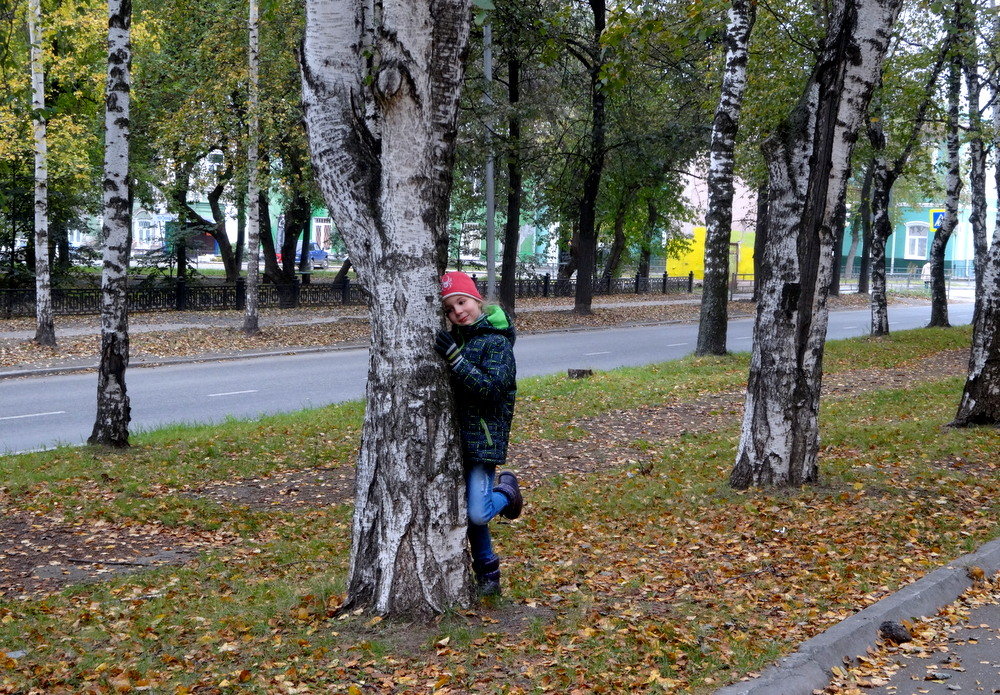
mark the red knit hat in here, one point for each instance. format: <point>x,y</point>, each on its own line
<point>457,282</point>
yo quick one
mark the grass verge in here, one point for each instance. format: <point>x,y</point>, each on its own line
<point>650,576</point>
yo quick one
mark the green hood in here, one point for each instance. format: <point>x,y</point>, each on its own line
<point>493,320</point>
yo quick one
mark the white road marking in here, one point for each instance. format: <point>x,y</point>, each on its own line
<point>18,417</point>
<point>677,344</point>
<point>588,354</point>
<point>231,393</point>
<point>744,337</point>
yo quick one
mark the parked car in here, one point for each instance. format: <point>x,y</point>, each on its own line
<point>318,258</point>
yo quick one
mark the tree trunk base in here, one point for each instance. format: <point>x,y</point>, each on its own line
<point>46,336</point>
<point>976,420</point>
<point>110,443</point>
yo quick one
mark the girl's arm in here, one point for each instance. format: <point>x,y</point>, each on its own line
<point>494,377</point>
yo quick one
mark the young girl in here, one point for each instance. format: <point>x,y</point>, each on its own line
<point>479,351</point>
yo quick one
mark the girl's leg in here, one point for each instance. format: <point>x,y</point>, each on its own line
<point>483,505</point>
<point>483,501</point>
<point>485,562</point>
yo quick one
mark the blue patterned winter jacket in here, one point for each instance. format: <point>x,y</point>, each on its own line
<point>484,383</point>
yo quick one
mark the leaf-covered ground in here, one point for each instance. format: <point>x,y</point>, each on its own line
<point>635,567</point>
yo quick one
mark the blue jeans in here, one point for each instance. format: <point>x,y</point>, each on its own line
<point>484,504</point>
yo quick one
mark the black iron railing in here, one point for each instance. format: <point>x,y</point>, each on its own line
<point>184,296</point>
<point>547,286</point>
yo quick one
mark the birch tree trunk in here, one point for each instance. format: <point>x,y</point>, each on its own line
<point>980,404</point>
<point>809,161</point>
<point>251,325</point>
<point>719,218</point>
<point>953,186</point>
<point>113,409</point>
<point>45,333</point>
<point>967,30</point>
<point>881,177</point>
<point>882,182</point>
<point>381,96</point>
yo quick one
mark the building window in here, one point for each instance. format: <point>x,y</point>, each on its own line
<point>322,230</point>
<point>147,233</point>
<point>78,237</point>
<point>215,162</point>
<point>471,241</point>
<point>916,240</point>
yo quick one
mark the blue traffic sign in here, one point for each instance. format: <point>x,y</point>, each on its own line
<point>936,217</point>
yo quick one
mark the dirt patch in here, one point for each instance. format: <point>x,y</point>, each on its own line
<point>941,365</point>
<point>315,487</point>
<point>39,554</point>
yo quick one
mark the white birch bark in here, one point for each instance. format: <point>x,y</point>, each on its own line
<point>381,84</point>
<point>809,162</point>
<point>880,178</point>
<point>881,229</point>
<point>719,218</point>
<point>953,187</point>
<point>980,403</point>
<point>45,327</point>
<point>251,323</point>
<point>968,30</point>
<point>113,408</point>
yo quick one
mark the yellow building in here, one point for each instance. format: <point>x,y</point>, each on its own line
<point>693,259</point>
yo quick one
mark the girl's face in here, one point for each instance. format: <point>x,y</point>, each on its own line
<point>462,310</point>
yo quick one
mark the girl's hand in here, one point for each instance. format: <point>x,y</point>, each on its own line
<point>447,347</point>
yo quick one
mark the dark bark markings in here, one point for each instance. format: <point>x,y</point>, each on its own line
<point>809,159</point>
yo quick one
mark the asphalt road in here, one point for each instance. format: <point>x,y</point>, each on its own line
<point>45,411</point>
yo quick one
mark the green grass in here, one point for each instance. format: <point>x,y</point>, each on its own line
<point>657,578</point>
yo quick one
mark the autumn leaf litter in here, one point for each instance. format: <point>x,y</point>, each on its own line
<point>634,569</point>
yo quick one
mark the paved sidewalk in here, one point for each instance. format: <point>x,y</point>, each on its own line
<point>808,669</point>
<point>971,664</point>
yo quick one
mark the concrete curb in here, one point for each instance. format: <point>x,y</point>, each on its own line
<point>808,669</point>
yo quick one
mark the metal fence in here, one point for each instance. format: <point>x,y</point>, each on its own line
<point>910,282</point>
<point>548,286</point>
<point>184,296</point>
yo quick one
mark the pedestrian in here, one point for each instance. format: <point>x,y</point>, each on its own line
<point>479,351</point>
<point>925,274</point>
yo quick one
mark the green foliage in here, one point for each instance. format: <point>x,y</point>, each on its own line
<point>649,69</point>
<point>73,61</point>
